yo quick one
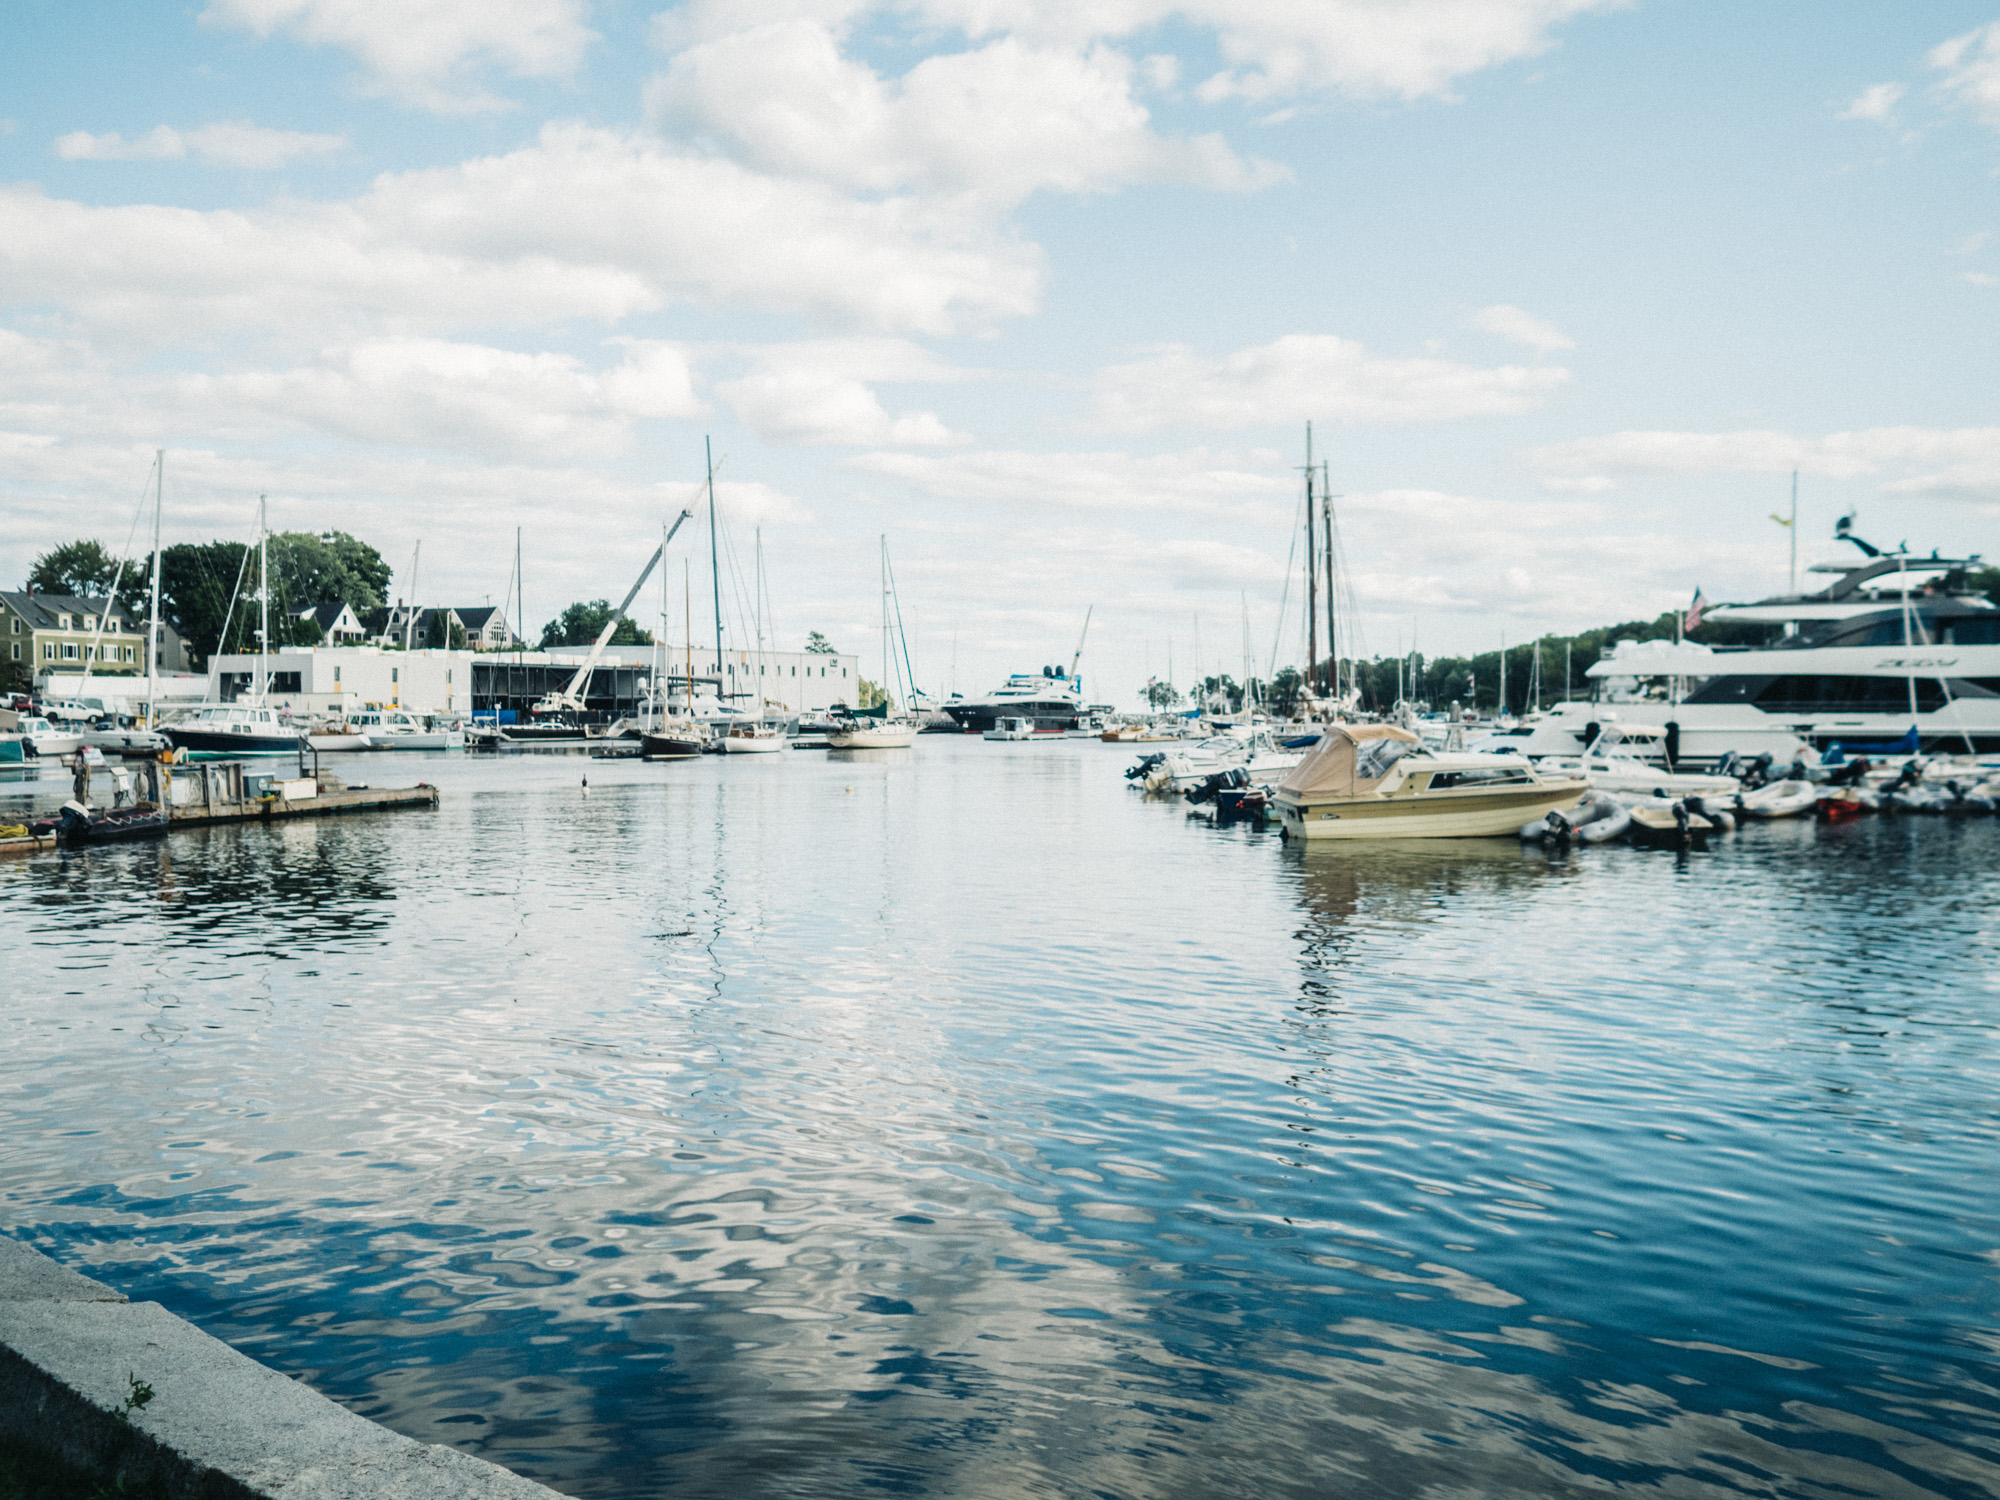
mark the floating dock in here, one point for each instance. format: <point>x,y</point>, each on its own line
<point>199,796</point>
<point>202,796</point>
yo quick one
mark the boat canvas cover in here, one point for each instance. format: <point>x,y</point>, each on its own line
<point>1350,760</point>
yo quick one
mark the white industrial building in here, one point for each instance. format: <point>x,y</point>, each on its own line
<point>321,679</point>
<point>790,682</point>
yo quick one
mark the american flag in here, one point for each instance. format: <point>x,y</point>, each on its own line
<point>1693,616</point>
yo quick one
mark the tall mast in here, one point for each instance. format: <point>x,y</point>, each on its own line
<point>757,609</point>
<point>714,563</point>
<point>660,671</point>
<point>410,617</point>
<point>1326,516</point>
<point>888,665</point>
<point>687,595</point>
<point>153,621</point>
<point>1312,571</point>
<point>1793,529</point>
<point>263,600</point>
<point>520,605</point>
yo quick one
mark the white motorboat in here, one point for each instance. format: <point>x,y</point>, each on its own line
<point>333,735</point>
<point>1610,765</point>
<point>43,738</point>
<point>751,739</point>
<point>1011,727</point>
<point>399,729</point>
<point>231,729</point>
<point>874,734</point>
<point>1258,757</point>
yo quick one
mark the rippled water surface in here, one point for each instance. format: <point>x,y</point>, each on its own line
<point>957,1122</point>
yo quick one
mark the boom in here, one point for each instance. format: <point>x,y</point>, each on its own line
<point>568,698</point>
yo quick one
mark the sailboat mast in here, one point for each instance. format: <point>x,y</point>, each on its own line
<point>520,604</point>
<point>1312,572</point>
<point>1326,517</point>
<point>263,599</point>
<point>660,671</point>
<point>1793,530</point>
<point>757,609</point>
<point>410,615</point>
<point>153,619</point>
<point>687,594</point>
<point>888,663</point>
<point>714,563</point>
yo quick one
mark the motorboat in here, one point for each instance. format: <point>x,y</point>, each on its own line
<point>1258,757</point>
<point>217,730</point>
<point>106,735</point>
<point>1375,781</point>
<point>751,739</point>
<point>331,735</point>
<point>1779,799</point>
<point>1673,827</point>
<point>399,729</point>
<point>1598,819</point>
<point>40,737</point>
<point>874,734</point>
<point>1610,765</point>
<point>77,825</point>
<point>544,729</point>
<point>1011,727</point>
<point>675,739</point>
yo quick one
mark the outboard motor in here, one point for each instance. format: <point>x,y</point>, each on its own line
<point>1145,764</point>
<point>1556,831</point>
<point>1730,765</point>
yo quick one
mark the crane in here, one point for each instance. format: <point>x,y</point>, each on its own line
<point>570,698</point>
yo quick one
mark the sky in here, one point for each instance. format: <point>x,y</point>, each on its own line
<point>1043,291</point>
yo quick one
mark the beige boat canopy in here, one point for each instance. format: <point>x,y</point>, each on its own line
<point>1349,761</point>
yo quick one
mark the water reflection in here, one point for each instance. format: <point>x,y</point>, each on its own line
<point>960,1123</point>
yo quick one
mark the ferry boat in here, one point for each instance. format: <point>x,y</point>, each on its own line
<point>1050,700</point>
<point>1895,656</point>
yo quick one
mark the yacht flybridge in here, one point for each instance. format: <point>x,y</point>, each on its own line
<point>1896,655</point>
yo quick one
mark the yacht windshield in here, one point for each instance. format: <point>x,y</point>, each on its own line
<point>1373,759</point>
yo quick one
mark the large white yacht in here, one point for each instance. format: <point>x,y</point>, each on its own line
<point>1896,655</point>
<point>1049,699</point>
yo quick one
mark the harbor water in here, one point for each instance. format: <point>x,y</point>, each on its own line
<point>958,1122</point>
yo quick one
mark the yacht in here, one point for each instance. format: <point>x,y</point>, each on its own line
<point>1376,781</point>
<point>1895,655</point>
<point>228,729</point>
<point>1051,701</point>
<point>1009,727</point>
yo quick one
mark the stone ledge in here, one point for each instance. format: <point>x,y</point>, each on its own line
<point>220,1425</point>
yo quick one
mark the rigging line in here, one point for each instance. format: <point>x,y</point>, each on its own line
<point>242,566</point>
<point>896,600</point>
<point>1284,597</point>
<point>118,577</point>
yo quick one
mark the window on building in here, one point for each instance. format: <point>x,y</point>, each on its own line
<point>16,623</point>
<point>336,676</point>
<point>17,651</point>
<point>63,621</point>
<point>90,622</point>
<point>125,653</point>
<point>69,650</point>
<point>395,674</point>
<point>286,682</point>
<point>48,651</point>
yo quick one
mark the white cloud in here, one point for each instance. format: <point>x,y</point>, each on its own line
<point>422,51</point>
<point>1874,102</point>
<point>997,123</point>
<point>1950,463</point>
<point>1982,278</point>
<point>583,224</point>
<point>1523,328</point>
<point>819,392</point>
<point>226,143</point>
<point>1241,487</point>
<point>1971,68</point>
<point>1303,376</point>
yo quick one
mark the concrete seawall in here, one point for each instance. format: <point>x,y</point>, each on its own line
<point>220,1426</point>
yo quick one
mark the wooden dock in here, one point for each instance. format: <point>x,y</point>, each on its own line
<point>204,796</point>
<point>326,804</point>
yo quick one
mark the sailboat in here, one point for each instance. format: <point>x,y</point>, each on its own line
<point>756,736</point>
<point>887,732</point>
<point>685,737</point>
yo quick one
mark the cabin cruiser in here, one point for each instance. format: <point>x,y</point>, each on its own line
<point>1050,700</point>
<point>230,729</point>
<point>1631,759</point>
<point>399,729</point>
<point>1896,655</point>
<point>1376,781</point>
<point>1010,728</point>
<point>40,737</point>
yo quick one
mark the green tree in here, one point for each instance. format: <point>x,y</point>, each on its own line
<point>330,567</point>
<point>441,631</point>
<point>1223,688</point>
<point>80,567</point>
<point>579,625</point>
<point>869,694</point>
<point>819,645</point>
<point>195,583</point>
<point>1161,695</point>
<point>1288,690</point>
